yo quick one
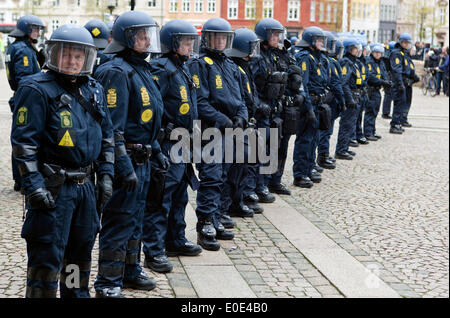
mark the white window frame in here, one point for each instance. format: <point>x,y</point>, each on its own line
<point>55,24</point>
<point>173,5</point>
<point>321,12</point>
<point>335,13</point>
<point>312,11</point>
<point>233,9</point>
<point>268,9</point>
<point>328,14</point>
<point>294,10</point>
<point>56,3</point>
<point>212,6</point>
<point>186,6</point>
<point>198,6</point>
<point>151,3</point>
<point>250,9</point>
<point>2,17</point>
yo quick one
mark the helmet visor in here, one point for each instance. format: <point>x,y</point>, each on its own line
<point>144,39</point>
<point>367,50</point>
<point>255,49</point>
<point>340,52</point>
<point>319,42</point>
<point>71,58</point>
<point>406,43</point>
<point>331,47</point>
<point>276,37</point>
<point>35,31</point>
<point>359,47</point>
<point>186,44</point>
<point>378,48</point>
<point>217,41</point>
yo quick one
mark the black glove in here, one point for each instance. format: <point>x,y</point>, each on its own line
<point>238,122</point>
<point>104,189</point>
<point>264,110</point>
<point>416,78</point>
<point>351,105</point>
<point>386,84</point>
<point>310,117</point>
<point>299,100</point>
<point>130,182</point>
<point>41,198</point>
<point>163,161</point>
<point>228,123</point>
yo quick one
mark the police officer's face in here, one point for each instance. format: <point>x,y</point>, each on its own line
<point>319,44</point>
<point>71,60</point>
<point>354,51</point>
<point>34,33</point>
<point>376,55</point>
<point>219,42</point>
<point>405,44</point>
<point>275,39</point>
<point>186,47</point>
<point>142,41</point>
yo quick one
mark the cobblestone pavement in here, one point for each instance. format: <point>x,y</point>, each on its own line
<point>388,208</point>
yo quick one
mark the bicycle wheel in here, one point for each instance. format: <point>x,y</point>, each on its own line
<point>433,85</point>
<point>424,85</point>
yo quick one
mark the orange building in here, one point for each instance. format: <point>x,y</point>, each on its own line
<point>195,11</point>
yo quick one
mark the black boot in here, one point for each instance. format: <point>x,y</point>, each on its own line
<point>223,234</point>
<point>160,264</point>
<point>344,156</point>
<point>241,211</point>
<point>17,186</point>
<point>351,153</point>
<point>315,176</point>
<point>406,124</point>
<point>227,222</point>
<point>206,235</point>
<point>257,209</point>
<point>109,292</point>
<point>371,138</point>
<point>377,136</point>
<point>353,143</point>
<point>279,189</point>
<point>188,249</point>
<point>265,196</point>
<point>362,141</point>
<point>386,116</point>
<point>303,182</point>
<point>325,162</point>
<point>397,129</point>
<point>142,282</point>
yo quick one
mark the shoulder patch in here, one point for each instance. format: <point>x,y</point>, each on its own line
<point>145,97</point>
<point>303,66</point>
<point>370,67</point>
<point>111,98</point>
<point>208,60</point>
<point>25,61</point>
<point>66,119</point>
<point>22,116</point>
<point>183,93</point>
<point>196,80</point>
<point>219,84</point>
<point>397,61</point>
<point>344,70</point>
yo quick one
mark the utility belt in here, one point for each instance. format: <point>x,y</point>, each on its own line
<point>139,153</point>
<point>356,94</point>
<point>317,99</point>
<point>55,176</point>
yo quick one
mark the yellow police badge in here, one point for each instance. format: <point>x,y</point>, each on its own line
<point>111,98</point>
<point>145,97</point>
<point>25,60</point>
<point>183,93</point>
<point>22,116</point>
<point>146,115</point>
<point>219,84</point>
<point>66,119</point>
<point>196,80</point>
<point>184,109</point>
<point>208,60</point>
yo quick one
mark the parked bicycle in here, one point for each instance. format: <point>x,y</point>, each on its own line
<point>429,82</point>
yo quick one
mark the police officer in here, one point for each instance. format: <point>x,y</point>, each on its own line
<point>164,225</point>
<point>403,77</point>
<point>358,136</point>
<point>377,78</point>
<point>220,105</point>
<point>315,79</point>
<point>270,74</point>
<point>61,126</point>
<point>23,59</point>
<point>413,78</point>
<point>352,86</point>
<point>335,98</point>
<point>246,46</point>
<point>387,100</point>
<point>100,32</point>
<point>136,109</point>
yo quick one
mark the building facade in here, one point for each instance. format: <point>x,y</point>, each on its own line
<point>388,21</point>
<point>195,11</point>
<point>364,18</point>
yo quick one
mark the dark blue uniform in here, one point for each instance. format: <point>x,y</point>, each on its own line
<point>219,99</point>
<point>351,85</point>
<point>335,85</point>
<point>136,109</point>
<point>102,58</point>
<point>50,130</point>
<point>401,75</point>
<point>358,133</point>
<point>21,60</point>
<point>409,82</point>
<point>164,225</point>
<point>377,73</point>
<point>315,78</point>
<point>387,100</point>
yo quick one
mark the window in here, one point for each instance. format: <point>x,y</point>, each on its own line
<point>250,9</point>
<point>55,24</point>
<point>211,6</point>
<point>78,3</point>
<point>335,13</point>
<point>233,6</point>
<point>359,10</point>
<point>293,10</point>
<point>321,11</point>
<point>186,6</point>
<point>365,11</point>
<point>443,15</point>
<point>56,3</point>
<point>374,35</point>
<point>36,3</point>
<point>173,6</point>
<point>2,17</point>
<point>151,3</point>
<point>198,6</point>
<point>312,14</point>
<point>328,12</point>
<point>268,9</point>
<point>73,22</point>
<point>15,17</point>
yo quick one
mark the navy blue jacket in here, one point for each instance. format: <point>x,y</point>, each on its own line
<point>335,79</point>
<point>401,65</point>
<point>134,103</point>
<point>21,60</point>
<point>64,134</point>
<point>377,72</point>
<point>351,74</point>
<point>220,92</point>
